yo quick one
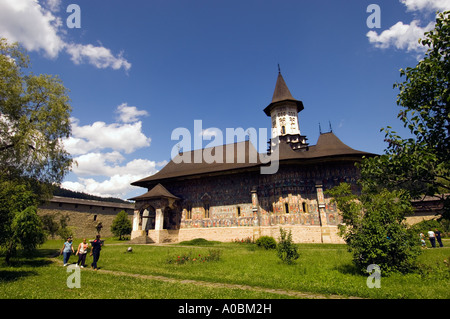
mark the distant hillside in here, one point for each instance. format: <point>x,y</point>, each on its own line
<point>58,191</point>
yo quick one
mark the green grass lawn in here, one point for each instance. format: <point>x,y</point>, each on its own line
<point>321,269</point>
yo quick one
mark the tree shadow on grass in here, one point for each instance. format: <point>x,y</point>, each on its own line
<point>37,258</point>
<point>348,269</point>
<point>13,275</point>
<point>17,265</point>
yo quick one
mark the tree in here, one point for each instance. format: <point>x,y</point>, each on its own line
<point>121,225</point>
<point>14,198</point>
<point>34,118</point>
<point>286,249</point>
<point>374,229</point>
<point>50,225</point>
<point>420,164</point>
<point>27,230</point>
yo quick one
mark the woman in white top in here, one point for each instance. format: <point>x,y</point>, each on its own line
<point>432,238</point>
<point>81,252</point>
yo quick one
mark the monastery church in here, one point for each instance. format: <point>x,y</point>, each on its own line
<point>231,199</point>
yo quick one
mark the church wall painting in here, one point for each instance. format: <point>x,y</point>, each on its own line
<point>286,198</point>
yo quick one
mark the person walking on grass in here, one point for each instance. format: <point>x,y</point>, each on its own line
<point>438,237</point>
<point>82,252</point>
<point>95,251</point>
<point>422,240</point>
<point>67,250</point>
<point>432,238</point>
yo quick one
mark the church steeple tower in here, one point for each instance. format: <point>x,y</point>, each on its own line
<point>283,111</point>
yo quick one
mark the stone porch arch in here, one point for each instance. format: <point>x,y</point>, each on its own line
<point>163,203</point>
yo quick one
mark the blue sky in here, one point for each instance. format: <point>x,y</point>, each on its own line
<point>137,70</point>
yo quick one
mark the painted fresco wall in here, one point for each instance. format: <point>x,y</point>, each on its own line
<point>286,198</point>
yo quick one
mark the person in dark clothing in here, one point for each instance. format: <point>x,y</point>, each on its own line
<point>438,238</point>
<point>95,251</point>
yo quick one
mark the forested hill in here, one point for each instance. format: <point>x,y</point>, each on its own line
<point>58,191</point>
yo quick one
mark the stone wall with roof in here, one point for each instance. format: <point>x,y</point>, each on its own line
<point>85,215</point>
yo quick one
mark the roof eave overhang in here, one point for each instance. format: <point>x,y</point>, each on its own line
<point>269,107</point>
<point>298,161</point>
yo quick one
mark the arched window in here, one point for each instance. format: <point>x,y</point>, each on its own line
<point>206,200</point>
<point>189,210</point>
<point>206,207</point>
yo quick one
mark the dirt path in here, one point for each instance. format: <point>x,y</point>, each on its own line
<point>290,293</point>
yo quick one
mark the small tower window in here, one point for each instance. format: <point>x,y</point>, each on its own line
<point>238,211</point>
<point>286,207</point>
<point>283,129</point>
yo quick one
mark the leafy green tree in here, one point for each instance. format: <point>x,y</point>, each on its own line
<point>420,164</point>
<point>27,229</point>
<point>121,225</point>
<point>64,229</point>
<point>34,117</point>
<point>286,249</point>
<point>14,198</point>
<point>373,228</point>
<point>49,224</point>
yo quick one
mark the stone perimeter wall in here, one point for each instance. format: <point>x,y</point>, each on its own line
<point>83,218</point>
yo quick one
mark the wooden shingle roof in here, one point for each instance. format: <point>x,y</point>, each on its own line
<point>158,191</point>
<point>328,146</point>
<point>281,94</point>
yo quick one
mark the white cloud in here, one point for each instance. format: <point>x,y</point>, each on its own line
<point>99,135</point>
<point>101,167</point>
<point>126,136</point>
<point>53,5</point>
<point>27,22</point>
<point>37,28</point>
<point>210,132</point>
<point>430,5</point>
<point>401,36</point>
<point>109,164</point>
<point>118,177</point>
<point>129,114</point>
<point>405,36</point>
<point>100,57</point>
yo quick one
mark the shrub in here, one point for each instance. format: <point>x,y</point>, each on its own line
<point>286,249</point>
<point>266,242</point>
<point>374,228</point>
<point>121,225</point>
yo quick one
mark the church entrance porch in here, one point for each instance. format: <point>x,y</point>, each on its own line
<point>156,217</point>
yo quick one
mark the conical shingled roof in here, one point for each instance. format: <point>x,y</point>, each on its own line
<point>280,94</point>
